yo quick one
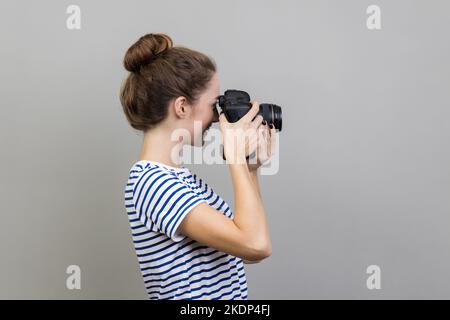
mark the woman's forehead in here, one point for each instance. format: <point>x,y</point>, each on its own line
<point>213,91</point>
<point>215,83</point>
<point>214,94</point>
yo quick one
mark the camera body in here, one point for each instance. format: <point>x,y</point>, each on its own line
<point>236,103</point>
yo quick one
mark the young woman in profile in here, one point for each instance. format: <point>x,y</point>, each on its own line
<point>199,255</point>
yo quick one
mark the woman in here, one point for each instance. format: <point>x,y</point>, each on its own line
<point>198,255</point>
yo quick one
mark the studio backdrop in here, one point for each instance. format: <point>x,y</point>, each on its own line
<point>358,207</point>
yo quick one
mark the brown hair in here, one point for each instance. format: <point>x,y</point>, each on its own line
<point>160,72</point>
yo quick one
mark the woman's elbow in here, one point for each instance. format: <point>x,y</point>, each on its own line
<point>259,253</point>
<point>266,251</point>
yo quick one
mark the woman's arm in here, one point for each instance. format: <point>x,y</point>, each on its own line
<point>262,156</point>
<point>250,262</point>
<point>255,180</point>
<point>249,213</point>
<point>254,176</point>
<point>246,235</point>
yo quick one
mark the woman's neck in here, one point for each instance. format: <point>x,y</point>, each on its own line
<point>158,146</point>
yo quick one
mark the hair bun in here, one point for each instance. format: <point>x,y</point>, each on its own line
<point>145,50</point>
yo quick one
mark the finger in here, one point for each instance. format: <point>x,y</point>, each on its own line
<point>261,136</point>
<point>269,143</point>
<point>260,143</point>
<point>252,145</point>
<point>253,139</point>
<point>257,121</point>
<point>264,133</point>
<point>264,144</point>
<point>251,113</point>
<point>223,120</point>
<point>273,140</point>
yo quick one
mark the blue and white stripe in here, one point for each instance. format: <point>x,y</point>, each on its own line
<point>173,266</point>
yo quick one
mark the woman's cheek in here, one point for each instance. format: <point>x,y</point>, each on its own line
<point>196,136</point>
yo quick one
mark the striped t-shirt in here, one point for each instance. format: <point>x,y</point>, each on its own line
<point>174,267</point>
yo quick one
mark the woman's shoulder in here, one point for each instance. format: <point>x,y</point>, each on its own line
<point>151,170</point>
<point>146,165</point>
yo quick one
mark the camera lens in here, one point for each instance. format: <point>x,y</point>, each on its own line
<point>272,114</point>
<point>277,117</point>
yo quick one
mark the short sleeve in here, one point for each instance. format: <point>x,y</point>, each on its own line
<point>162,200</point>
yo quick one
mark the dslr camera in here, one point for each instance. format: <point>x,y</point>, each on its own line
<point>236,103</point>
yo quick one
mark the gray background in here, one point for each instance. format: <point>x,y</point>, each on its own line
<point>364,152</point>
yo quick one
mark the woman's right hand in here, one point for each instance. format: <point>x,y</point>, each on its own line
<point>240,138</point>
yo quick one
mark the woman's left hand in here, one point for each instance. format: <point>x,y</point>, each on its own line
<point>266,146</point>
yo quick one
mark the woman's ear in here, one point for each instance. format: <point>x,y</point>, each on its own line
<point>181,108</point>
